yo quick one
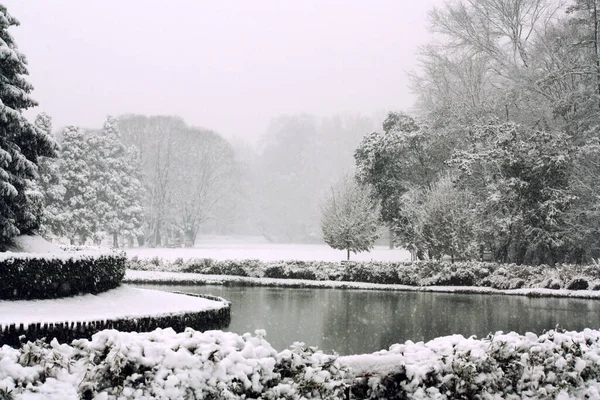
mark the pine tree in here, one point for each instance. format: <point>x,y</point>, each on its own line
<point>51,185</point>
<point>21,143</point>
<point>80,205</point>
<point>116,171</point>
<point>349,218</point>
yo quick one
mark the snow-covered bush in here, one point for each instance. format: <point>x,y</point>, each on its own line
<point>166,365</point>
<point>42,276</point>
<point>420,273</point>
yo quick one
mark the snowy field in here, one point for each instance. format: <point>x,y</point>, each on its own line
<point>234,250</point>
<point>122,302</point>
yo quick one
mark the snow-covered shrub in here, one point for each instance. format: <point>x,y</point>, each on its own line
<point>41,276</point>
<point>452,275</point>
<point>502,366</point>
<point>165,365</point>
<point>419,273</point>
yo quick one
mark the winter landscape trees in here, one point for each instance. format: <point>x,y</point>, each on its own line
<point>499,156</point>
<point>349,218</point>
<point>21,142</point>
<point>504,150</point>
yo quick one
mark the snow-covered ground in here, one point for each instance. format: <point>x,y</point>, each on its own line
<point>122,302</point>
<point>234,250</point>
<point>33,244</point>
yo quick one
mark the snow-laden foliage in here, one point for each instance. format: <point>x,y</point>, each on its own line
<point>50,183</point>
<point>511,90</point>
<point>420,273</point>
<point>165,365</point>
<point>21,142</point>
<point>78,215</point>
<point>349,219</point>
<point>116,177</point>
<point>521,181</point>
<point>406,155</point>
<point>102,186</point>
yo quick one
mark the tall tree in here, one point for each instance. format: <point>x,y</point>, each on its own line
<point>50,183</point>
<point>203,179</point>
<point>116,174</point>
<point>522,180</point>
<point>155,138</point>
<point>405,156</point>
<point>80,204</point>
<point>21,143</point>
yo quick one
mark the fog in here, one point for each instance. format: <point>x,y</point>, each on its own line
<point>292,86</point>
<point>226,66</point>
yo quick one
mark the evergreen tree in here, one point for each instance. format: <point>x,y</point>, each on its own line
<point>116,173</point>
<point>21,143</point>
<point>349,218</point>
<point>80,205</point>
<point>51,185</point>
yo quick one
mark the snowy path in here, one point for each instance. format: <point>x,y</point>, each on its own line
<point>200,279</point>
<point>122,302</point>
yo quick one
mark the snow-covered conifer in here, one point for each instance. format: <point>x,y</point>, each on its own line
<point>80,211</point>
<point>116,173</point>
<point>50,183</point>
<point>21,143</point>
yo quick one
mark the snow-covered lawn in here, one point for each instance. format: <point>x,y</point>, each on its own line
<point>233,250</point>
<point>122,302</point>
<point>202,279</point>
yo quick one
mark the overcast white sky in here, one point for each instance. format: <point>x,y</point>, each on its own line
<point>229,66</point>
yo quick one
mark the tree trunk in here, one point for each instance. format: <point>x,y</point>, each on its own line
<point>348,254</point>
<point>391,233</point>
<point>115,240</point>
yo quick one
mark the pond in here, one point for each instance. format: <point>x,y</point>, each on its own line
<point>364,321</point>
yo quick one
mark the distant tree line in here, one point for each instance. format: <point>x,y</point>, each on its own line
<point>503,157</point>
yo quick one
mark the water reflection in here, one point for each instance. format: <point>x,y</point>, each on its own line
<point>362,321</point>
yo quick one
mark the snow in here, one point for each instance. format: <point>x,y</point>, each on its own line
<point>33,244</point>
<point>216,364</point>
<point>231,250</point>
<point>122,302</point>
<point>180,277</point>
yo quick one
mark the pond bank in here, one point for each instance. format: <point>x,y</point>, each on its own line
<point>179,278</point>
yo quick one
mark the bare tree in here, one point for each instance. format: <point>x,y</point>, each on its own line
<point>203,176</point>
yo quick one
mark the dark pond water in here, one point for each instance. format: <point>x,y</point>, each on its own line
<point>364,321</point>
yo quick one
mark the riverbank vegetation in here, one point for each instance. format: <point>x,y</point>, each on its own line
<point>420,273</point>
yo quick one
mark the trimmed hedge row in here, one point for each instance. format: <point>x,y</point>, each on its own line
<point>38,276</point>
<point>420,273</point>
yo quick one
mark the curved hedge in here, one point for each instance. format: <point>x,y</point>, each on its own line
<point>26,276</point>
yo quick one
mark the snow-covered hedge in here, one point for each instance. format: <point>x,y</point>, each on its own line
<point>42,276</point>
<point>421,273</point>
<point>220,365</point>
